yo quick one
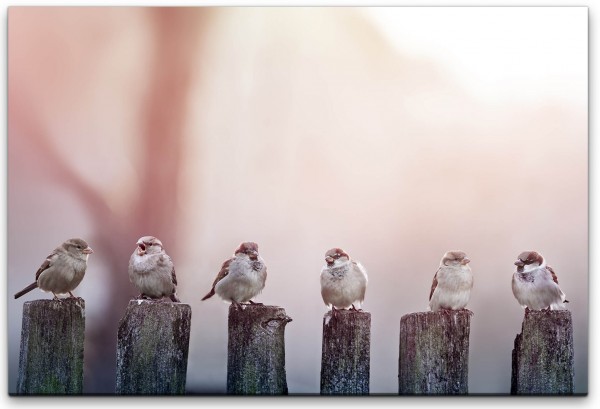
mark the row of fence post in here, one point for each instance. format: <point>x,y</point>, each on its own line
<point>153,345</point>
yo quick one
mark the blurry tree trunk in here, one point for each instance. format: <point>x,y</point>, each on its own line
<point>542,359</point>
<point>152,348</point>
<point>51,357</point>
<point>176,39</point>
<point>434,353</point>
<point>256,350</point>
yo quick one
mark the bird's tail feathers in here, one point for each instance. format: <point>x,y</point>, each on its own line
<point>25,290</point>
<point>210,294</point>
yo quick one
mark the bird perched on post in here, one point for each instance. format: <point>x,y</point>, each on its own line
<point>63,269</point>
<point>152,271</point>
<point>452,283</point>
<point>242,277</point>
<point>343,281</point>
<point>535,284</point>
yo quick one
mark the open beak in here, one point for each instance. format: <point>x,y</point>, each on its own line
<point>87,250</point>
<point>141,249</point>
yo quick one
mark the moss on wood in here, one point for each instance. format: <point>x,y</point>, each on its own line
<point>51,354</point>
<point>256,350</point>
<point>434,353</point>
<point>152,348</point>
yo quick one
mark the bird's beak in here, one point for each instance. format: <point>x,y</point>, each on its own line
<point>519,263</point>
<point>141,249</point>
<point>465,261</point>
<point>329,260</point>
<point>253,255</point>
<point>87,250</point>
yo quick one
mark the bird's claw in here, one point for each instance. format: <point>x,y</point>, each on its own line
<point>353,308</point>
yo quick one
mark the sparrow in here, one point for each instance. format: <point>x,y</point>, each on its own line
<point>242,277</point>
<point>63,269</point>
<point>452,283</point>
<point>152,271</point>
<point>343,281</point>
<point>535,285</point>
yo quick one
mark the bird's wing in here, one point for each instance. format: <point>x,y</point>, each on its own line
<point>173,276</point>
<point>554,277</point>
<point>166,260</point>
<point>224,271</point>
<point>433,284</point>
<point>46,264</point>
<point>360,268</point>
<point>264,271</point>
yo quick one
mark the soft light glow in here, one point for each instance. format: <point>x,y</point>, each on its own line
<point>500,53</point>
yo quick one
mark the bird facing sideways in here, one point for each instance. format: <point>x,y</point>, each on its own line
<point>535,284</point>
<point>242,277</point>
<point>343,281</point>
<point>452,283</point>
<point>151,270</point>
<point>63,269</point>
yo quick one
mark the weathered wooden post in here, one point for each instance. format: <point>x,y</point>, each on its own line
<point>256,350</point>
<point>346,353</point>
<point>152,348</point>
<point>51,356</point>
<point>542,359</point>
<point>434,353</point>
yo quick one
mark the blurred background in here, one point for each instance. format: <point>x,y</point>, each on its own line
<point>396,133</point>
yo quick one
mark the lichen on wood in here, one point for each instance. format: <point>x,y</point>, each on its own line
<point>434,353</point>
<point>345,354</point>
<point>52,340</point>
<point>152,348</point>
<point>256,350</point>
<point>542,358</point>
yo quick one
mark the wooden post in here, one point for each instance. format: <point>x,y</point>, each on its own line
<point>51,356</point>
<point>434,353</point>
<point>542,359</point>
<point>345,357</point>
<point>152,348</point>
<point>256,350</point>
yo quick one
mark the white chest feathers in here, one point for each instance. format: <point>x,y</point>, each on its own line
<point>453,288</point>
<point>343,284</point>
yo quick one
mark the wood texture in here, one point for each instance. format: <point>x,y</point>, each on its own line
<point>256,350</point>
<point>434,353</point>
<point>152,348</point>
<point>51,356</point>
<point>542,358</point>
<point>346,353</point>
